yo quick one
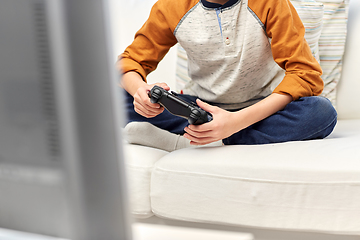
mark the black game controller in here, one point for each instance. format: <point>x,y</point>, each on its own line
<point>175,105</point>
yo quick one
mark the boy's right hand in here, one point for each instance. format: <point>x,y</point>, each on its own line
<point>142,104</point>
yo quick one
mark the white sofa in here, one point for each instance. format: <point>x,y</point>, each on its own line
<point>294,190</point>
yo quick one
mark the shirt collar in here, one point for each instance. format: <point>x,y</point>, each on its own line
<point>217,5</point>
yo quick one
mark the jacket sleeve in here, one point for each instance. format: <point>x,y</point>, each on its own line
<point>289,48</point>
<point>151,43</point>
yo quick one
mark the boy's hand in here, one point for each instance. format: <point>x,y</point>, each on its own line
<point>222,126</point>
<point>225,123</point>
<point>142,104</point>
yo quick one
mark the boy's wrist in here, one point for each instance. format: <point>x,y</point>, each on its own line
<point>131,82</point>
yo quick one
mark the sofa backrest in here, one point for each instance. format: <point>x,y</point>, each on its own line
<point>348,100</point>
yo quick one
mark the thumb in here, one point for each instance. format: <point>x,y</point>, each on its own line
<point>205,106</point>
<point>164,86</point>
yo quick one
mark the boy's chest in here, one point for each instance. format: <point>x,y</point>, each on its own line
<point>208,34</point>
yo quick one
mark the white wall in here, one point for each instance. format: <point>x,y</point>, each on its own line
<point>127,16</point>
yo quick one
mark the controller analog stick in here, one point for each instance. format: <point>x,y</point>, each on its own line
<point>155,96</point>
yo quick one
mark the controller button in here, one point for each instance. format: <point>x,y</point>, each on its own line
<point>157,92</point>
<point>195,114</point>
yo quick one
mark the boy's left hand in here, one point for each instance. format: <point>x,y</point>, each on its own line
<point>222,126</point>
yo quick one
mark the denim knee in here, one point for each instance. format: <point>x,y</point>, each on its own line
<point>324,115</point>
<point>303,119</point>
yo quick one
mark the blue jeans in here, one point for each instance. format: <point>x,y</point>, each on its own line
<point>304,119</point>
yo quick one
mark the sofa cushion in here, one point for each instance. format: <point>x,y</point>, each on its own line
<point>310,185</point>
<point>332,44</point>
<point>139,163</point>
<point>311,14</point>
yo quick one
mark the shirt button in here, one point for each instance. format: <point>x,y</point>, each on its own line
<point>227,41</point>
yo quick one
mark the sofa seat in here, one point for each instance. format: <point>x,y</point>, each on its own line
<point>294,185</point>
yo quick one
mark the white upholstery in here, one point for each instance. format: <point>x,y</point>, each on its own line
<point>304,186</point>
<point>310,185</point>
<point>139,161</point>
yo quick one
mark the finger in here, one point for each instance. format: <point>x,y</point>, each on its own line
<point>201,128</point>
<point>163,85</point>
<point>149,104</point>
<point>198,141</point>
<point>148,110</point>
<point>146,113</point>
<point>196,136</point>
<point>205,133</point>
<point>143,99</point>
<point>205,106</point>
<point>145,108</point>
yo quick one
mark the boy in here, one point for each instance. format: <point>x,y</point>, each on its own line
<point>249,63</point>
